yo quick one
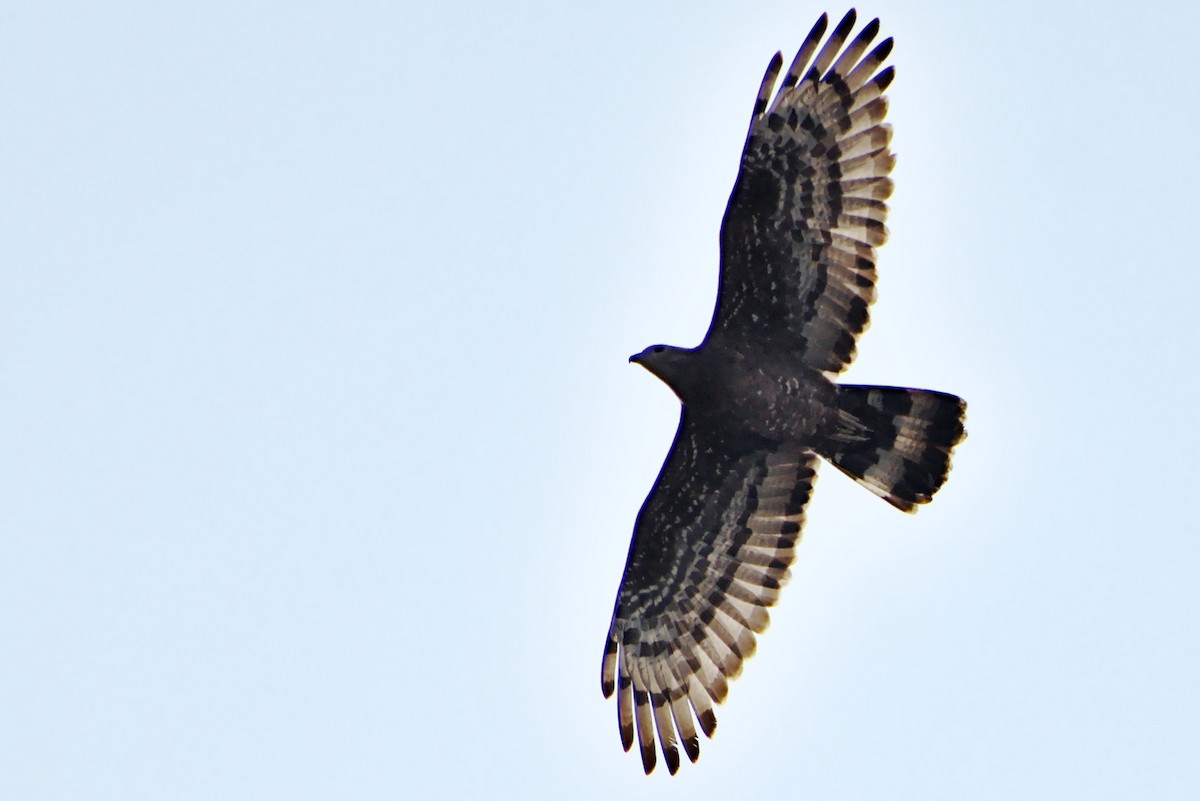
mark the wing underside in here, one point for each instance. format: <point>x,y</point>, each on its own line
<point>711,549</point>
<point>807,209</point>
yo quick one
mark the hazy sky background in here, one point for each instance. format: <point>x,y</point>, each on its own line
<point>319,452</point>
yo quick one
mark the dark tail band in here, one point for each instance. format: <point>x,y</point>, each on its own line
<point>896,442</point>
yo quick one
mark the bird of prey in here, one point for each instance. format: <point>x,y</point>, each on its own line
<point>715,537</point>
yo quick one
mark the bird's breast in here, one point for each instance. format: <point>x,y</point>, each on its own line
<point>779,402</point>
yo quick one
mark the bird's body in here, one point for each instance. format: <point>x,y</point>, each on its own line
<point>768,394</point>
<point>715,537</point>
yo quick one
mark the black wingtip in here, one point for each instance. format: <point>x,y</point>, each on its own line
<point>648,758</point>
<point>846,25</point>
<point>608,667</point>
<point>884,79</point>
<point>883,50</point>
<point>672,757</point>
<point>768,84</point>
<point>868,33</point>
<point>708,723</point>
<point>818,30</point>
<point>807,48</point>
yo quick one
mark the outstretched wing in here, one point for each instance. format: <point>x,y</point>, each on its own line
<point>711,549</point>
<point>807,210</point>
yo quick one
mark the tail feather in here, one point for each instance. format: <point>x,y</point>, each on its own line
<point>896,442</point>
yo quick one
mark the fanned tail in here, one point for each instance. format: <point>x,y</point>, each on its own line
<point>896,442</point>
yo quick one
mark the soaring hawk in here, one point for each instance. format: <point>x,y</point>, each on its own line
<point>714,539</point>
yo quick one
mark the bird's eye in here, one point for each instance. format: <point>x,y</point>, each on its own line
<point>659,348</point>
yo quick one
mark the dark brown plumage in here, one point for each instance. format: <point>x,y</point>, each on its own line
<point>713,542</point>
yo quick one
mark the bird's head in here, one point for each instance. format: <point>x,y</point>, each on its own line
<point>667,362</point>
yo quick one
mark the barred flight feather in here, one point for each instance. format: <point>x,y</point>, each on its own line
<point>671,667</point>
<point>835,141</point>
<point>802,56</point>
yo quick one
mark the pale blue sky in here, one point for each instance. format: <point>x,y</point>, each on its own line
<point>321,452</point>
